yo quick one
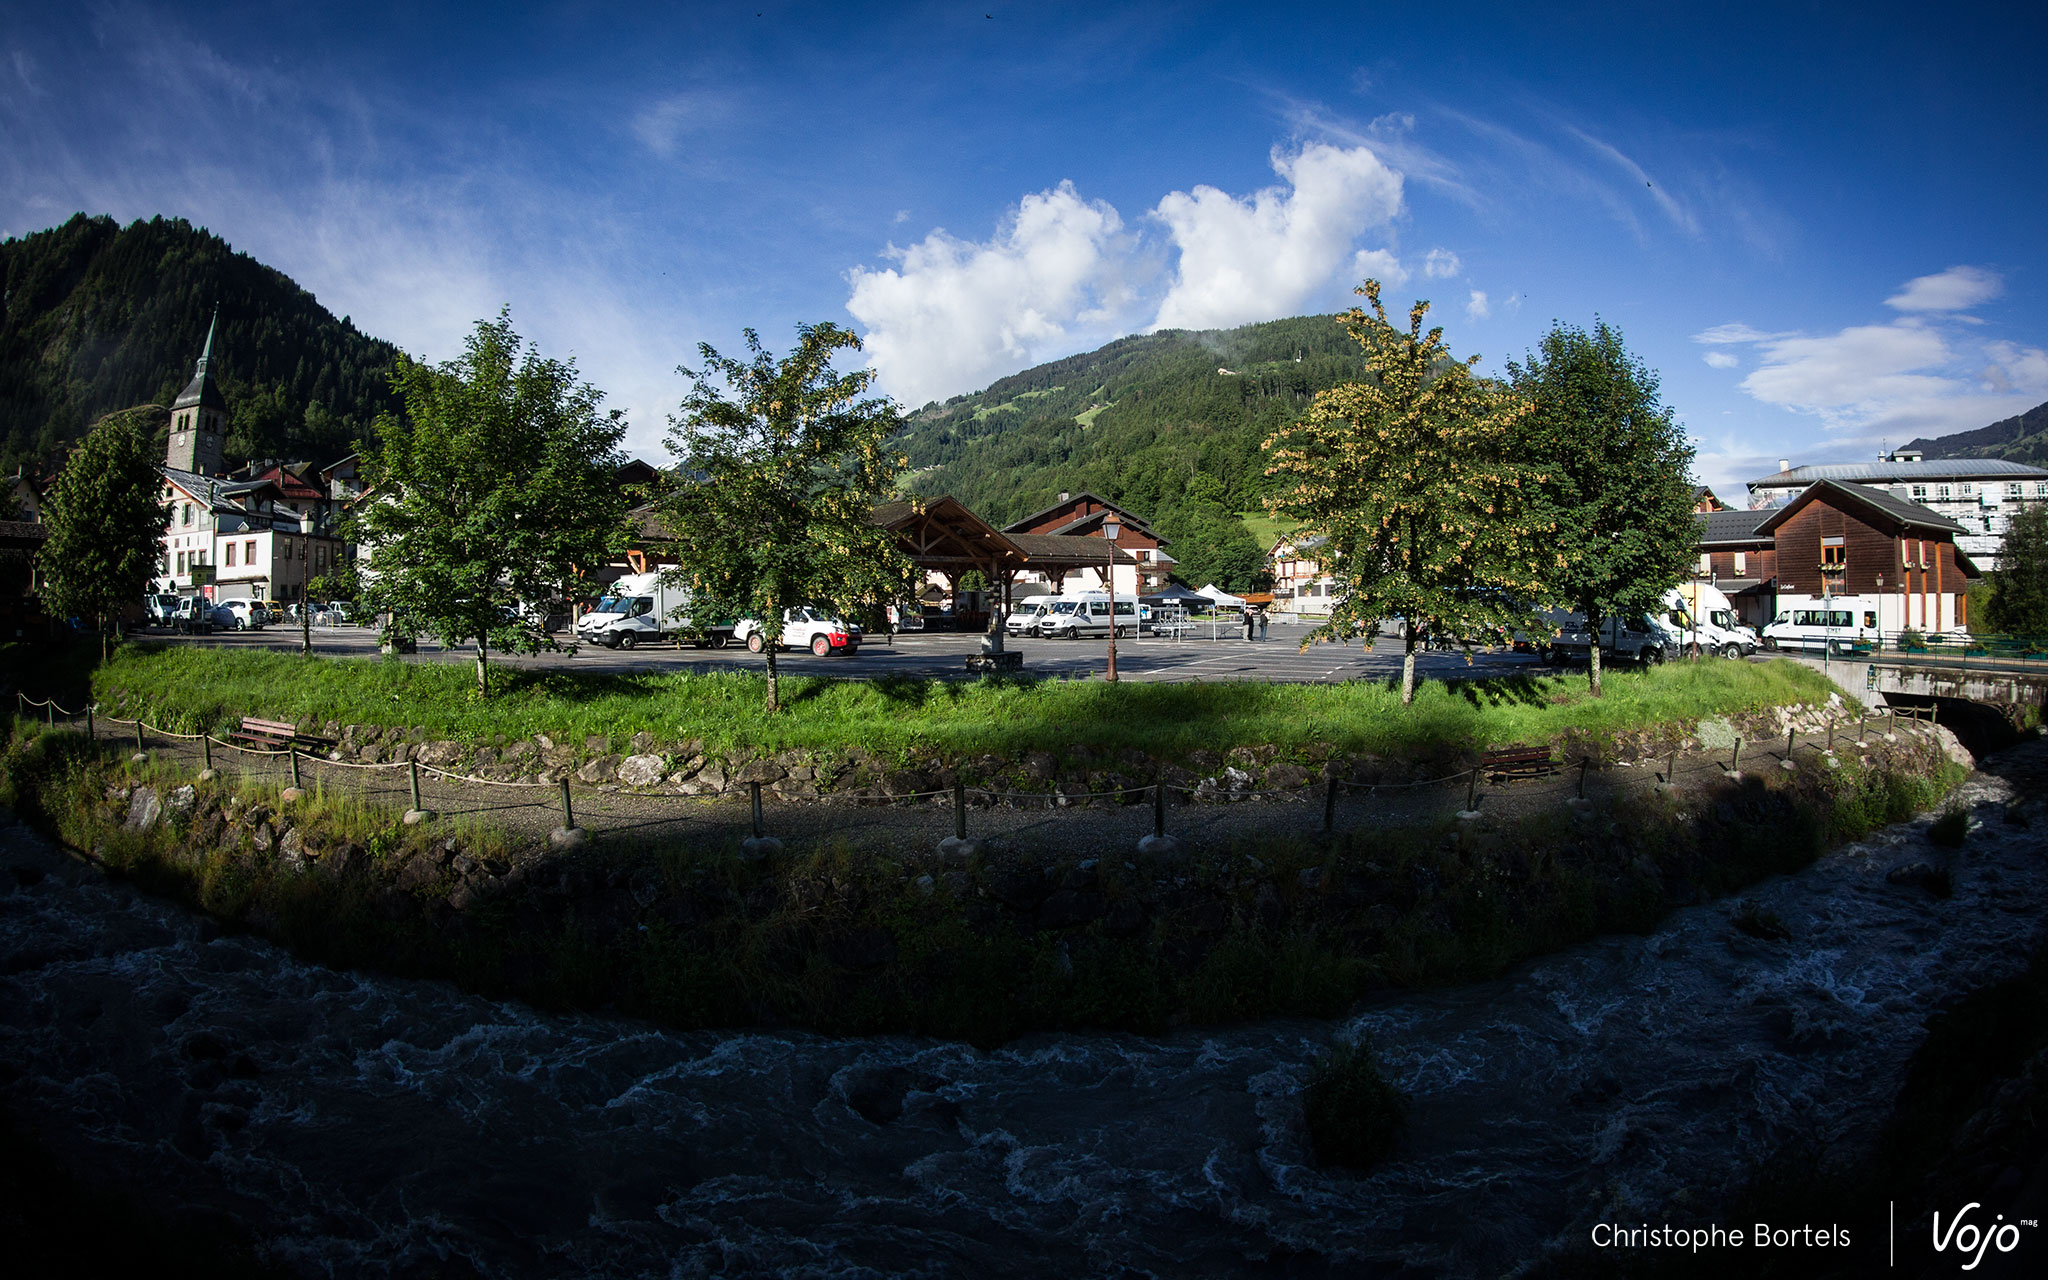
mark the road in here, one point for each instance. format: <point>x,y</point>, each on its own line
<point>943,654</point>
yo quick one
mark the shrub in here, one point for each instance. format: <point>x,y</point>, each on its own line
<point>1355,1117</point>
<point>1951,827</point>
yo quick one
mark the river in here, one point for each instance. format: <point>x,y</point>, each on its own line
<point>357,1124</point>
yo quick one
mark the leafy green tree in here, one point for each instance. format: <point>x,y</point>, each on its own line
<point>1408,476</point>
<point>1617,486</point>
<point>781,482</point>
<point>487,493</point>
<point>106,516</point>
<point>1211,544</point>
<point>2019,590</point>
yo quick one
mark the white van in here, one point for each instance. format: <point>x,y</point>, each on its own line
<point>1707,617</point>
<point>1832,625</point>
<point>1026,614</point>
<point>1071,617</point>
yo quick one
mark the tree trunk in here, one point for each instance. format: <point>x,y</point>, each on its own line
<point>1593,653</point>
<point>483,674</point>
<point>1408,663</point>
<point>774,686</point>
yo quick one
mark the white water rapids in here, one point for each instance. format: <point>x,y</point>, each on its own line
<point>360,1125</point>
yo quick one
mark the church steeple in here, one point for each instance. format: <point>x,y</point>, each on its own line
<point>199,417</point>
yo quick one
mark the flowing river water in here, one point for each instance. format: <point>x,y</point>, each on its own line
<point>357,1124</point>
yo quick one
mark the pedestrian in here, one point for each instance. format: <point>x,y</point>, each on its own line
<point>1264,622</point>
<point>1248,625</point>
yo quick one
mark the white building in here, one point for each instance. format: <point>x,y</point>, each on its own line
<point>1980,494</point>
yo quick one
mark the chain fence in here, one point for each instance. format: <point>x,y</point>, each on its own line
<point>1213,810</point>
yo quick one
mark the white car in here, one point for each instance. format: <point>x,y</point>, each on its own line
<point>240,615</point>
<point>804,628</point>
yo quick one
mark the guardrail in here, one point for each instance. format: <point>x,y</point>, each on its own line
<point>1953,646</point>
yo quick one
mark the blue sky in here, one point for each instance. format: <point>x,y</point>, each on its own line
<point>1821,223</point>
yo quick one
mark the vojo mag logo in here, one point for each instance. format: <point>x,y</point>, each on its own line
<point>1972,1241</point>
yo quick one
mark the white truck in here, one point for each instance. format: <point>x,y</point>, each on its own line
<point>1707,617</point>
<point>1648,638</point>
<point>803,628</point>
<point>641,609</point>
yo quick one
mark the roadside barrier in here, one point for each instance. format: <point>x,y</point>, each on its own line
<point>1211,807</point>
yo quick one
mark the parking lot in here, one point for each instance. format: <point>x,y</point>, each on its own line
<point>944,654</point>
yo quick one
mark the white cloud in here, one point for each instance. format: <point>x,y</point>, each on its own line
<point>1441,264</point>
<point>1955,289</point>
<point>1918,375</point>
<point>1380,265</point>
<point>1265,255</point>
<point>955,314</point>
<point>1476,307</point>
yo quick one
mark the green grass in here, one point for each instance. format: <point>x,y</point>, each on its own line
<point>1266,530</point>
<point>1088,416</point>
<point>186,687</point>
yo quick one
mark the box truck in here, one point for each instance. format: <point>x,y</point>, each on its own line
<point>641,609</point>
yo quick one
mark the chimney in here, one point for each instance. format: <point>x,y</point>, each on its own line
<point>1784,464</point>
<point>1064,495</point>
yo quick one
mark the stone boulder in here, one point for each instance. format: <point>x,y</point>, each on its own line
<point>640,771</point>
<point>182,799</point>
<point>602,769</point>
<point>440,754</point>
<point>144,808</point>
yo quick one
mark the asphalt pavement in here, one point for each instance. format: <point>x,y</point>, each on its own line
<point>1227,656</point>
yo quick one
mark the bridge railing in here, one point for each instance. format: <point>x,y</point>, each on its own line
<point>1955,646</point>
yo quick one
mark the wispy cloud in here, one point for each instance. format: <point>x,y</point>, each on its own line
<point>661,125</point>
<point>1955,289</point>
<point>1441,264</point>
<point>1720,359</point>
<point>1477,308</point>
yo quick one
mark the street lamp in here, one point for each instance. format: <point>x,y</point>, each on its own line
<point>1110,529</point>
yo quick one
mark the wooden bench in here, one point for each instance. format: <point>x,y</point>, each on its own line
<point>1516,762</point>
<point>274,735</point>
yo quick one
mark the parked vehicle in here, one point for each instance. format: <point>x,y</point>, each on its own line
<point>240,615</point>
<point>273,611</point>
<point>1646,638</point>
<point>160,610</point>
<point>335,613</point>
<point>1088,614</point>
<point>1707,617</point>
<point>192,616</point>
<point>803,628</point>
<point>1837,625</point>
<point>641,609</point>
<point>1027,614</point>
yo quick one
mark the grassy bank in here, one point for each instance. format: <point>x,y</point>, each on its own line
<point>188,688</point>
<point>872,942</point>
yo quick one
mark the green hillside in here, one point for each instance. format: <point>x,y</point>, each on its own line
<point>96,317</point>
<point>2019,439</point>
<point>1153,423</point>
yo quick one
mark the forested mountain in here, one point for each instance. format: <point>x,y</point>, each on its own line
<point>96,317</point>
<point>1168,425</point>
<point>2020,439</point>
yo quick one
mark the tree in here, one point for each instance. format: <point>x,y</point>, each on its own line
<point>106,517</point>
<point>1617,487</point>
<point>2019,590</point>
<point>487,493</point>
<point>1409,479</point>
<point>780,486</point>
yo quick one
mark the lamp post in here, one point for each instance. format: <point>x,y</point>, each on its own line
<point>1110,528</point>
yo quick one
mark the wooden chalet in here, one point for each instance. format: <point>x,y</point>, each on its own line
<point>1843,539</point>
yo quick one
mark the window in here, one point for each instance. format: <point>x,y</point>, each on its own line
<point>1833,555</point>
<point>2041,488</point>
<point>249,552</point>
<point>2015,489</point>
<point>1741,564</point>
<point>1706,563</point>
<point>181,562</point>
<point>1969,490</point>
<point>231,555</point>
<point>1869,617</point>
<point>187,518</point>
<point>1943,491</point>
<point>1919,492</point>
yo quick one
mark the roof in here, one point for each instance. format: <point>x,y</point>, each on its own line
<point>202,390</point>
<point>1043,550</point>
<point>1071,500</point>
<point>205,488</point>
<point>1910,515</point>
<point>1719,528</point>
<point>1903,472</point>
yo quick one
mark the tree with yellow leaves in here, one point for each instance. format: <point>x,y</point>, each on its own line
<point>1409,480</point>
<point>779,485</point>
